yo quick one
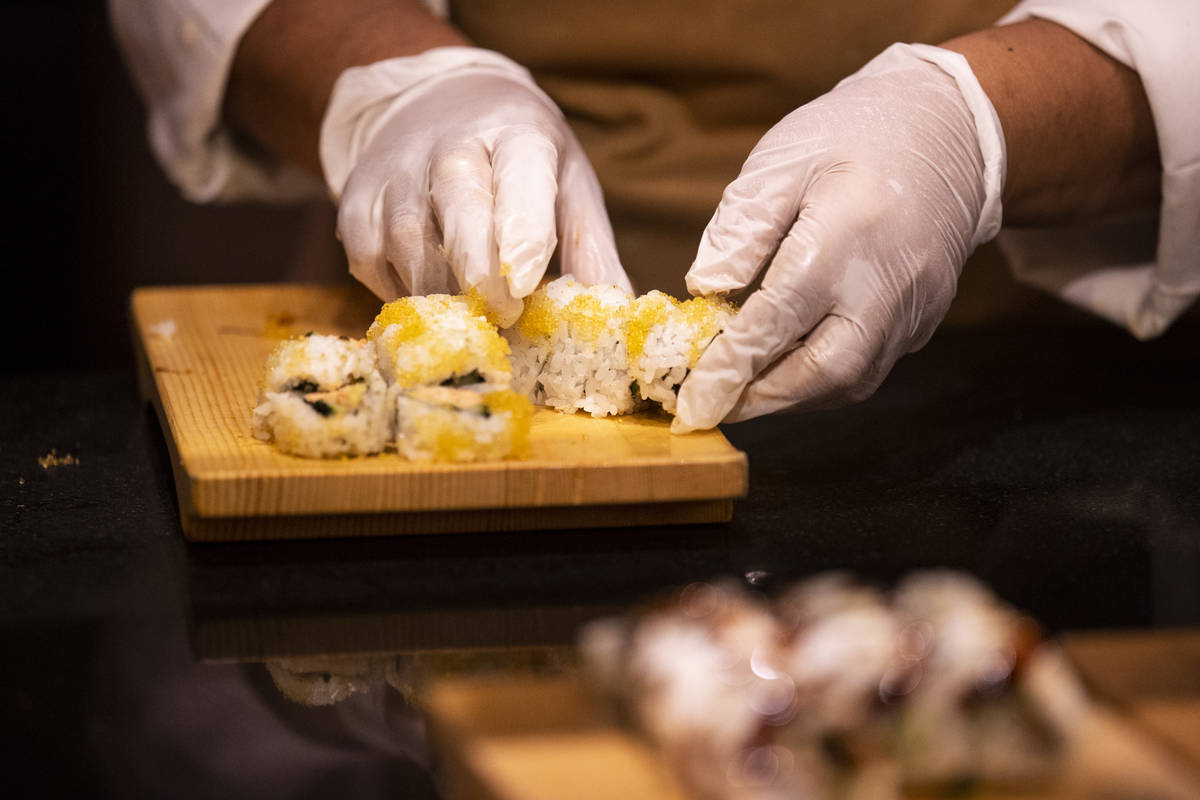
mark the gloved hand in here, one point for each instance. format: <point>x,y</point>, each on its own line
<point>861,207</point>
<point>454,172</point>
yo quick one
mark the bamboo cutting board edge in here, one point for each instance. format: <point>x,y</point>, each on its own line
<point>496,520</point>
<point>390,484</point>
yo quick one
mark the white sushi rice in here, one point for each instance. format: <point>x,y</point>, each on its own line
<point>568,349</point>
<point>596,349</point>
<point>323,396</point>
<point>426,340</point>
<point>665,339</point>
<point>478,423</point>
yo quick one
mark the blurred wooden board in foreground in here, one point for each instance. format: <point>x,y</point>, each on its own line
<point>1152,678</point>
<point>201,352</point>
<point>541,738</point>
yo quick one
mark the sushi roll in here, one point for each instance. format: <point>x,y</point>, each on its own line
<point>971,713</point>
<point>595,349</point>
<point>700,674</point>
<point>323,396</point>
<point>436,340</point>
<point>481,422</point>
<point>568,349</point>
<point>842,650</point>
<point>448,372</point>
<point>664,339</point>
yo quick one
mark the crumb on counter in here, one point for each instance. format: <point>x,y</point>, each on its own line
<point>53,459</point>
<point>164,329</point>
<point>279,326</point>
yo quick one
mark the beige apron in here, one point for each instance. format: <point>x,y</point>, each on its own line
<point>669,96</point>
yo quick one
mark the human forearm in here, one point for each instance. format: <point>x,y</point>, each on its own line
<point>1078,127</point>
<point>289,59</point>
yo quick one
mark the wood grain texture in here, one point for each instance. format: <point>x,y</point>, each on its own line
<point>203,380</point>
<point>535,737</point>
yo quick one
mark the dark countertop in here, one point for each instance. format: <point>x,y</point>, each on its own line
<point>1059,464</point>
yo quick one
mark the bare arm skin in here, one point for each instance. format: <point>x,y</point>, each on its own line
<point>1077,123</point>
<point>286,64</point>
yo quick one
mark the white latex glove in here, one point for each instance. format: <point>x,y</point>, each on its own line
<point>861,207</point>
<point>454,172</point>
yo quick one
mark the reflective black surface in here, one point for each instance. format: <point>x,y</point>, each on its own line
<point>1059,464</point>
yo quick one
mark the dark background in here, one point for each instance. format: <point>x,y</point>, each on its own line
<point>88,213</point>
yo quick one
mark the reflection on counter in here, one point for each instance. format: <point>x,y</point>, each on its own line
<point>325,680</point>
<point>829,688</point>
<point>257,601</point>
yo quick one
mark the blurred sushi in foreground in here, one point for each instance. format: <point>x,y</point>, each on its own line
<point>835,689</point>
<point>323,396</point>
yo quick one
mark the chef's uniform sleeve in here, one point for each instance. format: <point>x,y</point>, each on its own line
<point>1140,272</point>
<point>179,53</point>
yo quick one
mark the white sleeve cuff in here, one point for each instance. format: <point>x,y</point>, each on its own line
<point>1145,284</point>
<point>179,53</point>
<point>988,132</point>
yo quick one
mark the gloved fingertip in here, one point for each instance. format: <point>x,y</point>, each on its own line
<point>702,285</point>
<point>694,410</point>
<point>621,281</point>
<point>522,279</point>
<point>505,311</point>
<point>678,426</point>
<point>716,276</point>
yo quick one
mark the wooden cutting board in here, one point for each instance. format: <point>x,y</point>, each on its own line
<point>201,352</point>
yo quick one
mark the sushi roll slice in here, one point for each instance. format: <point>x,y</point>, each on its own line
<point>481,422</point>
<point>436,340</point>
<point>664,339</point>
<point>568,349</point>
<point>595,349</point>
<point>323,396</point>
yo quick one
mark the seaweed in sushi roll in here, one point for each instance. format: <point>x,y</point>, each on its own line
<point>438,339</point>
<point>323,396</point>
